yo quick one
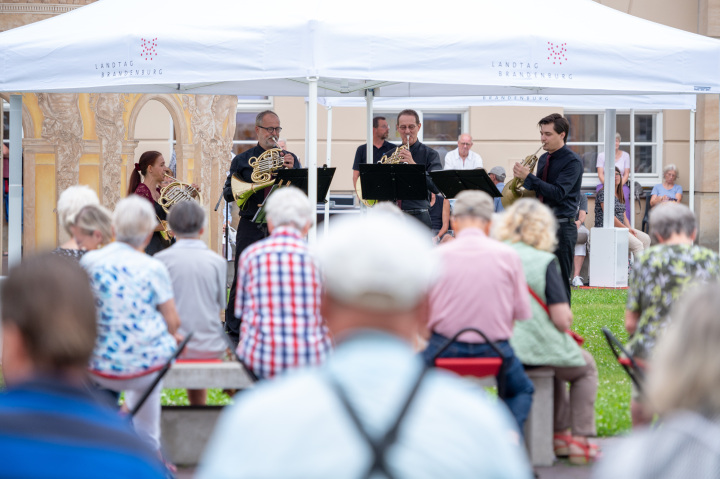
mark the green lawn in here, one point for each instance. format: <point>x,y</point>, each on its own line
<point>592,309</point>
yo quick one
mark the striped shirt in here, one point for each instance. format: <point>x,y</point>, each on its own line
<point>278,299</point>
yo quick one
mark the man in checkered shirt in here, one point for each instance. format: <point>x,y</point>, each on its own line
<point>278,292</point>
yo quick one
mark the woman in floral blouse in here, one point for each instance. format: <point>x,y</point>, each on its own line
<point>136,314</point>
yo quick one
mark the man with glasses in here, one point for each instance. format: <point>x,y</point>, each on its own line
<point>267,130</point>
<point>462,158</point>
<point>380,146</point>
<point>408,127</point>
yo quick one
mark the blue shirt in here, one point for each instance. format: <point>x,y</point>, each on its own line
<point>53,430</point>
<point>498,200</point>
<point>295,426</point>
<point>660,190</point>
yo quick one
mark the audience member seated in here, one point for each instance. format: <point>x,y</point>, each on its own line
<point>659,277</point>
<point>71,201</point>
<point>52,425</point>
<point>347,418</point>
<point>497,175</point>
<point>136,314</point>
<point>622,163</point>
<point>481,286</point>
<point>199,278</point>
<point>439,216</point>
<point>278,292</point>
<point>667,190</point>
<point>581,243</point>
<point>529,227</point>
<point>92,228</point>
<point>637,240</point>
<point>682,385</point>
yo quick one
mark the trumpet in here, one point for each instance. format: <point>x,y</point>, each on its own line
<point>176,192</point>
<point>395,157</point>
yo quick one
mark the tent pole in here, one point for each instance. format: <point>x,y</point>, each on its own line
<point>610,128</point>
<point>369,96</point>
<point>311,161</point>
<point>326,219</point>
<point>16,189</point>
<point>692,160</point>
<point>632,169</point>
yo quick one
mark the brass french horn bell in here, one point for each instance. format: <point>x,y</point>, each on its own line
<point>514,188</point>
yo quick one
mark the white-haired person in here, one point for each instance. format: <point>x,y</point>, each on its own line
<point>71,201</point>
<point>683,382</point>
<point>198,276</point>
<point>278,292</point>
<point>481,286</point>
<point>135,313</point>
<point>667,190</point>
<point>92,228</point>
<point>529,227</point>
<point>374,389</point>
<point>658,278</point>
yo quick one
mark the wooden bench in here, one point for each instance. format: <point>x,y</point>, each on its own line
<point>187,429</point>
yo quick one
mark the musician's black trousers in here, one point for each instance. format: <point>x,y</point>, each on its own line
<point>567,237</point>
<point>247,234</point>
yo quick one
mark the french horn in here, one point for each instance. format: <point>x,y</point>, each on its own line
<point>514,190</point>
<point>176,192</point>
<point>263,167</point>
<point>393,159</point>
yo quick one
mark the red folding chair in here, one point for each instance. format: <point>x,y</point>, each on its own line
<point>477,367</point>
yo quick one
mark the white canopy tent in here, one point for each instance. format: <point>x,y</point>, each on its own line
<point>324,48</point>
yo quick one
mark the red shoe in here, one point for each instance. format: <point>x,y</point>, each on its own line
<point>561,444</point>
<point>582,453</point>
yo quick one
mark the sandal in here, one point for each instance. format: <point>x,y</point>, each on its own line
<point>583,453</point>
<point>561,444</point>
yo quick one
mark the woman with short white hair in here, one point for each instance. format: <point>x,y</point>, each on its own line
<point>71,201</point>
<point>135,311</point>
<point>667,190</point>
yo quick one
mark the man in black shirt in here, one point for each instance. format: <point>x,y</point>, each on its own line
<point>408,127</point>
<point>267,130</point>
<point>557,184</point>
<point>380,146</point>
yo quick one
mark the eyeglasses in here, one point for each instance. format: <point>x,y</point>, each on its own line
<point>407,127</point>
<point>271,130</point>
<point>465,144</point>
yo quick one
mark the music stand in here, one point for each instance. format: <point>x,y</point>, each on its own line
<point>393,182</point>
<point>298,177</point>
<point>452,182</point>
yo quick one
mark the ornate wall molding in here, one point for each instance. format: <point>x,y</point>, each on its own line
<point>110,129</point>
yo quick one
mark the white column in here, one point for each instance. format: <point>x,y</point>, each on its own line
<point>631,179</point>
<point>15,190</point>
<point>326,220</point>
<point>369,97</point>
<point>610,129</point>
<point>692,160</point>
<point>311,161</point>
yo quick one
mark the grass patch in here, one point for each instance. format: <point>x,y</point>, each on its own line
<point>178,397</point>
<point>592,310</point>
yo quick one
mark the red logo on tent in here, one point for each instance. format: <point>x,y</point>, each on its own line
<point>557,53</point>
<point>149,48</point>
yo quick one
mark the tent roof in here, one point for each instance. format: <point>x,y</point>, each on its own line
<point>517,47</point>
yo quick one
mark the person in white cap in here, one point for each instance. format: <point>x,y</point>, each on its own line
<point>497,175</point>
<point>373,409</point>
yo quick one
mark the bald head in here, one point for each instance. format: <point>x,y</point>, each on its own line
<point>464,144</point>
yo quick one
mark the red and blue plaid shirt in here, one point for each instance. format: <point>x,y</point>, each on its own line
<point>278,298</point>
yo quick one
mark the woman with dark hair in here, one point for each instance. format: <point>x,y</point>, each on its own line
<point>637,240</point>
<point>145,181</point>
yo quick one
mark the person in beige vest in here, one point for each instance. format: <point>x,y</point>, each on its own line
<point>529,227</point>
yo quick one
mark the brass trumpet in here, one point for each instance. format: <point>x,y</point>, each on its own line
<point>514,188</point>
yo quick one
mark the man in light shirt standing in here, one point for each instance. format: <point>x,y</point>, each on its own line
<point>461,158</point>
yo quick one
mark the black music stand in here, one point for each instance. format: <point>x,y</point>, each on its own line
<point>393,182</point>
<point>298,177</point>
<point>452,182</point>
